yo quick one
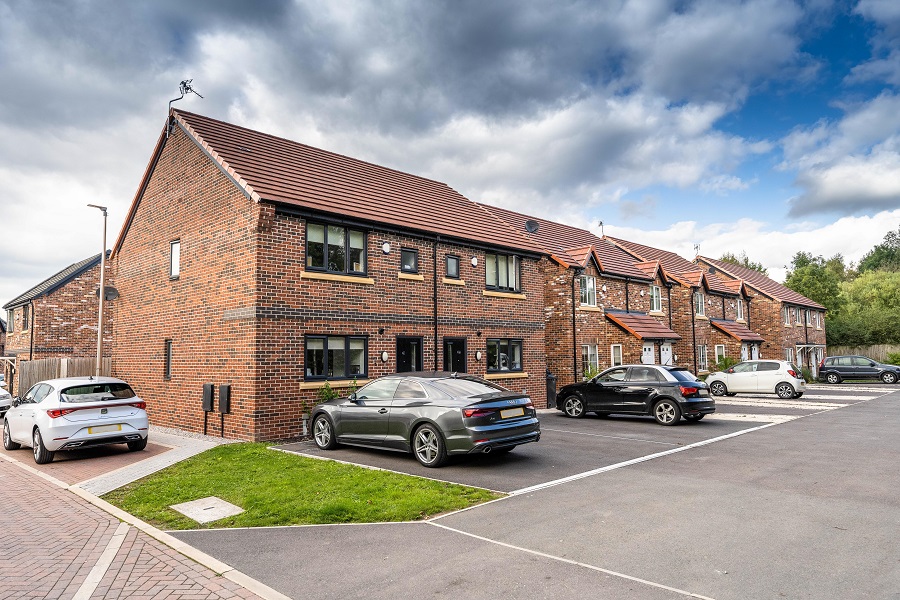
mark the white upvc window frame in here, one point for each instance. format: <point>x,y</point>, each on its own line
<point>590,357</point>
<point>614,360</point>
<point>789,355</point>
<point>702,358</point>
<point>699,304</point>
<point>786,314</point>
<point>720,355</point>
<point>739,310</point>
<point>175,259</point>
<point>588,290</point>
<point>655,298</point>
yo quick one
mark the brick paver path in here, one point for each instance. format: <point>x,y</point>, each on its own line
<point>52,542</point>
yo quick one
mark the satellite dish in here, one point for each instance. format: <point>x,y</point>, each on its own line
<point>111,293</point>
<point>531,226</point>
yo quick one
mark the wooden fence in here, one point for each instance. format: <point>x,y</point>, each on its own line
<point>878,352</point>
<point>32,371</point>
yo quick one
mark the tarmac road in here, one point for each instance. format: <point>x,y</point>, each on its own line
<point>805,508</point>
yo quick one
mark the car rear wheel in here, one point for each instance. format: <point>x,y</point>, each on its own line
<point>717,388</point>
<point>833,378</point>
<point>42,456</point>
<point>667,412</point>
<point>694,417</point>
<point>137,445</point>
<point>573,406</point>
<point>8,444</point>
<point>428,446</point>
<point>323,433</point>
<point>785,391</point>
<point>889,377</point>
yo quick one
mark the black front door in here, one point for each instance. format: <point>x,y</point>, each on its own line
<point>455,355</point>
<point>409,354</point>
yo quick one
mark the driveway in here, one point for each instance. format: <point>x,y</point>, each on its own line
<point>803,505</point>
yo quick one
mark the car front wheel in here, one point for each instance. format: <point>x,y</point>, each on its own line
<point>573,406</point>
<point>42,456</point>
<point>833,378</point>
<point>667,412</point>
<point>8,444</point>
<point>428,446</point>
<point>718,388</point>
<point>323,433</point>
<point>785,391</point>
<point>889,377</point>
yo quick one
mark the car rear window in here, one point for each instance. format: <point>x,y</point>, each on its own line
<point>97,391</point>
<point>683,375</point>
<point>466,387</point>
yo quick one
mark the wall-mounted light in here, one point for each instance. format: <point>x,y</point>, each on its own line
<point>474,261</point>
<point>478,355</point>
<point>386,248</point>
<point>709,301</point>
<point>478,333</point>
<point>381,331</point>
<point>384,356</point>
<point>732,305</point>
<point>642,293</point>
<point>603,287</point>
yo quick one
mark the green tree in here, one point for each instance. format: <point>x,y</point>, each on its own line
<point>810,276</point>
<point>744,261</point>
<point>884,256</point>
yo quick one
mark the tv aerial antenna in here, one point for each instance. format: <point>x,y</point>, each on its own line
<point>185,88</point>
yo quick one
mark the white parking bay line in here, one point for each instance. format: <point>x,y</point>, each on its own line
<point>611,437</point>
<point>749,418</point>
<point>760,403</point>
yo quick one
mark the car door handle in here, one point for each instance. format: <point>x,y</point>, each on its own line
<point>383,410</point>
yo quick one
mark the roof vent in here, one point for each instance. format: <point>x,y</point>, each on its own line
<point>531,225</point>
<point>712,270</point>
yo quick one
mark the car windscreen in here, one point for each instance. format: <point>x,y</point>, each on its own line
<point>466,387</point>
<point>94,392</point>
<point>683,375</point>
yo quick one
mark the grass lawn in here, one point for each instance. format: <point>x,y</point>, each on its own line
<point>275,488</point>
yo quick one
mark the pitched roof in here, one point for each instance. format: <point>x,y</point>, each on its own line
<point>736,330</point>
<point>641,325</point>
<point>282,171</point>
<point>678,267</point>
<point>567,244</point>
<point>2,326</point>
<point>765,285</point>
<point>55,282</point>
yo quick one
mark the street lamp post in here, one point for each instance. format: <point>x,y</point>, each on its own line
<point>102,293</point>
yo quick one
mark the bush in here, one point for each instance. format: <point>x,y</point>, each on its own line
<point>726,362</point>
<point>893,358</point>
<point>807,374</point>
<point>590,372</point>
<point>326,393</point>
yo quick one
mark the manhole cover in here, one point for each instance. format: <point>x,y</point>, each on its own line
<point>207,510</point>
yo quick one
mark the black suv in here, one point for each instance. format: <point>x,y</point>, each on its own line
<point>834,369</point>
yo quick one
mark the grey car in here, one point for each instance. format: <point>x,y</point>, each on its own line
<point>432,415</point>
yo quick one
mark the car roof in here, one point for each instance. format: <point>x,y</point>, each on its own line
<point>64,381</point>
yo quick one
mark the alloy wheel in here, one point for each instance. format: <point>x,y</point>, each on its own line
<point>718,388</point>
<point>573,407</point>
<point>889,377</point>
<point>666,412</point>
<point>833,378</point>
<point>323,433</point>
<point>785,391</point>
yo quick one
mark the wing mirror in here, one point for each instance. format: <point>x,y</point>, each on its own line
<point>353,398</point>
<point>730,370</point>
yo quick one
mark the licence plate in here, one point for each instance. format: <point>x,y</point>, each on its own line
<point>104,428</point>
<point>512,412</point>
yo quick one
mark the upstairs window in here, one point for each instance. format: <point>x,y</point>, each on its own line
<point>655,299</point>
<point>452,267</point>
<point>786,314</point>
<point>335,249</point>
<point>409,260</point>
<point>797,318</point>
<point>699,304</point>
<point>10,321</point>
<point>808,317</point>
<point>818,321</point>
<point>174,259</point>
<point>739,307</point>
<point>502,272</point>
<point>588,291</point>
<point>26,324</point>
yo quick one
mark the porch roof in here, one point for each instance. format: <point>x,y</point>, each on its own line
<point>641,325</point>
<point>736,330</point>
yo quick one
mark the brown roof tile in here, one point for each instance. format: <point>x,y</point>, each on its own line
<point>559,240</point>
<point>767,286</point>
<point>736,330</point>
<point>287,172</point>
<point>642,326</point>
<point>675,265</point>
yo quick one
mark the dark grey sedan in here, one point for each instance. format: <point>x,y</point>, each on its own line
<point>432,415</point>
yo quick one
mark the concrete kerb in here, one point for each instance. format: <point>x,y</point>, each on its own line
<point>215,565</point>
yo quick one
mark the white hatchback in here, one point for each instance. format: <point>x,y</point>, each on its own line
<point>77,412</point>
<point>760,376</point>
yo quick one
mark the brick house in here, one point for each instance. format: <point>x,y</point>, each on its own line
<point>272,267</point>
<point>600,308</point>
<point>712,315</point>
<point>57,318</point>
<point>792,325</point>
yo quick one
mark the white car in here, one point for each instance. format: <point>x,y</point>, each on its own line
<point>78,412</point>
<point>5,400</point>
<point>761,376</point>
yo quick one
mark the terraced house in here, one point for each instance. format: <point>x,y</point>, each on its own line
<point>266,267</point>
<point>792,325</point>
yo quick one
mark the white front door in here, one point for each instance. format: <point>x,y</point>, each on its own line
<point>648,353</point>
<point>754,352</point>
<point>743,351</point>
<point>665,354</point>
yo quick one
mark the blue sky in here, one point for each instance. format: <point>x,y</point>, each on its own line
<point>764,126</point>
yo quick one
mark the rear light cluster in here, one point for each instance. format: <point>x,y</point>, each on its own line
<point>688,391</point>
<point>55,413</point>
<point>474,413</point>
<point>792,373</point>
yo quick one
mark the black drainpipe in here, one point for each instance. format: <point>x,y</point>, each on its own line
<point>575,275</point>
<point>694,328</point>
<point>627,305</point>
<point>747,316</point>
<point>434,264</point>
<point>723,308</point>
<point>31,334</point>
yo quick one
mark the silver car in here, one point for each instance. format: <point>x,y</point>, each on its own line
<point>5,400</point>
<point>433,415</point>
<point>762,376</point>
<point>78,412</point>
